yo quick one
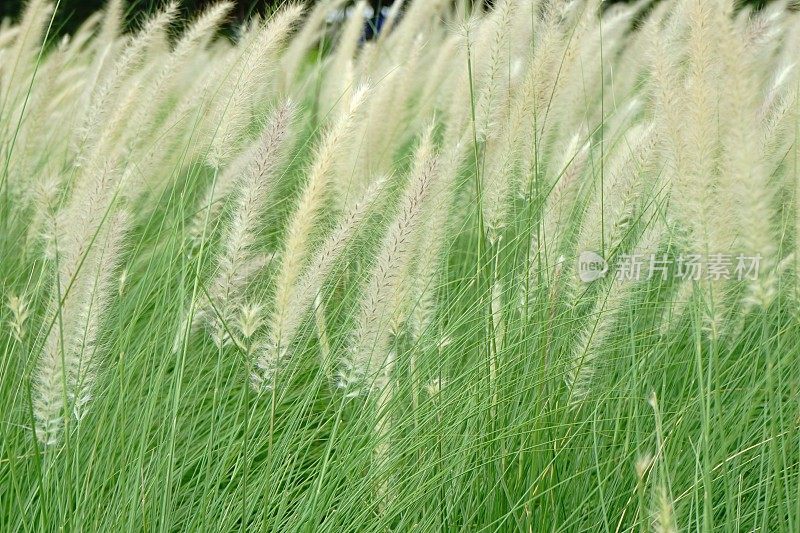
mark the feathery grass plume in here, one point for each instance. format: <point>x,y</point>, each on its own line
<point>321,327</point>
<point>96,298</point>
<point>598,40</point>
<point>643,466</point>
<point>616,98</point>
<point>337,86</point>
<point>286,319</point>
<point>431,252</point>
<point>369,364</point>
<point>760,32</point>
<point>7,35</point>
<point>67,367</point>
<point>112,26</point>
<point>543,78</point>
<point>495,75</point>
<point>48,402</point>
<point>253,191</point>
<point>103,96</point>
<point>553,49</point>
<point>80,219</point>
<point>45,195</point>
<point>432,249</point>
<point>599,324</point>
<point>365,62</point>
<point>669,103</point>
<point>370,148</point>
<point>193,39</point>
<point>460,87</point>
<point>743,167</point>
<point>83,35</point>
<point>22,83</point>
<point>20,57</point>
<point>625,117</point>
<point>505,120</point>
<point>503,144</point>
<point>485,85</point>
<point>613,212</point>
<point>700,200</point>
<point>676,308</point>
<point>74,230</point>
<point>777,132</point>
<point>18,305</point>
<point>418,18</point>
<point>174,142</point>
<point>386,126</point>
<point>293,62</point>
<point>782,78</point>
<point>441,73</point>
<point>231,114</point>
<point>295,301</point>
<point>250,320</point>
<point>664,513</point>
<point>297,240</point>
<point>634,62</point>
<point>103,36</point>
<point>111,140</point>
<point>664,520</point>
<point>391,19</point>
<point>498,327</point>
<point>694,190</point>
<point>197,36</point>
<point>372,357</point>
<point>561,198</point>
<point>213,200</point>
<point>572,100</point>
<point>50,114</point>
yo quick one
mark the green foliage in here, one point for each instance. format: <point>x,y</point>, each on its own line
<point>302,283</point>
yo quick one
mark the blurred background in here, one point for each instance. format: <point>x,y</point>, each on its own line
<point>71,13</point>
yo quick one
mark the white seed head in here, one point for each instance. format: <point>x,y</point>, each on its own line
<point>643,465</point>
<point>435,387</point>
<point>251,318</point>
<point>18,306</point>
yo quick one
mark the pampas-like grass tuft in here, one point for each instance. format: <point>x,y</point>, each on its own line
<point>393,250</point>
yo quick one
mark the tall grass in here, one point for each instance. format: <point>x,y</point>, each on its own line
<point>293,281</point>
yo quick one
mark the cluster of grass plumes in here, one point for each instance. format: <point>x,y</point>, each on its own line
<point>296,280</point>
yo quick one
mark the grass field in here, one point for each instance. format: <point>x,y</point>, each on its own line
<point>531,269</point>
